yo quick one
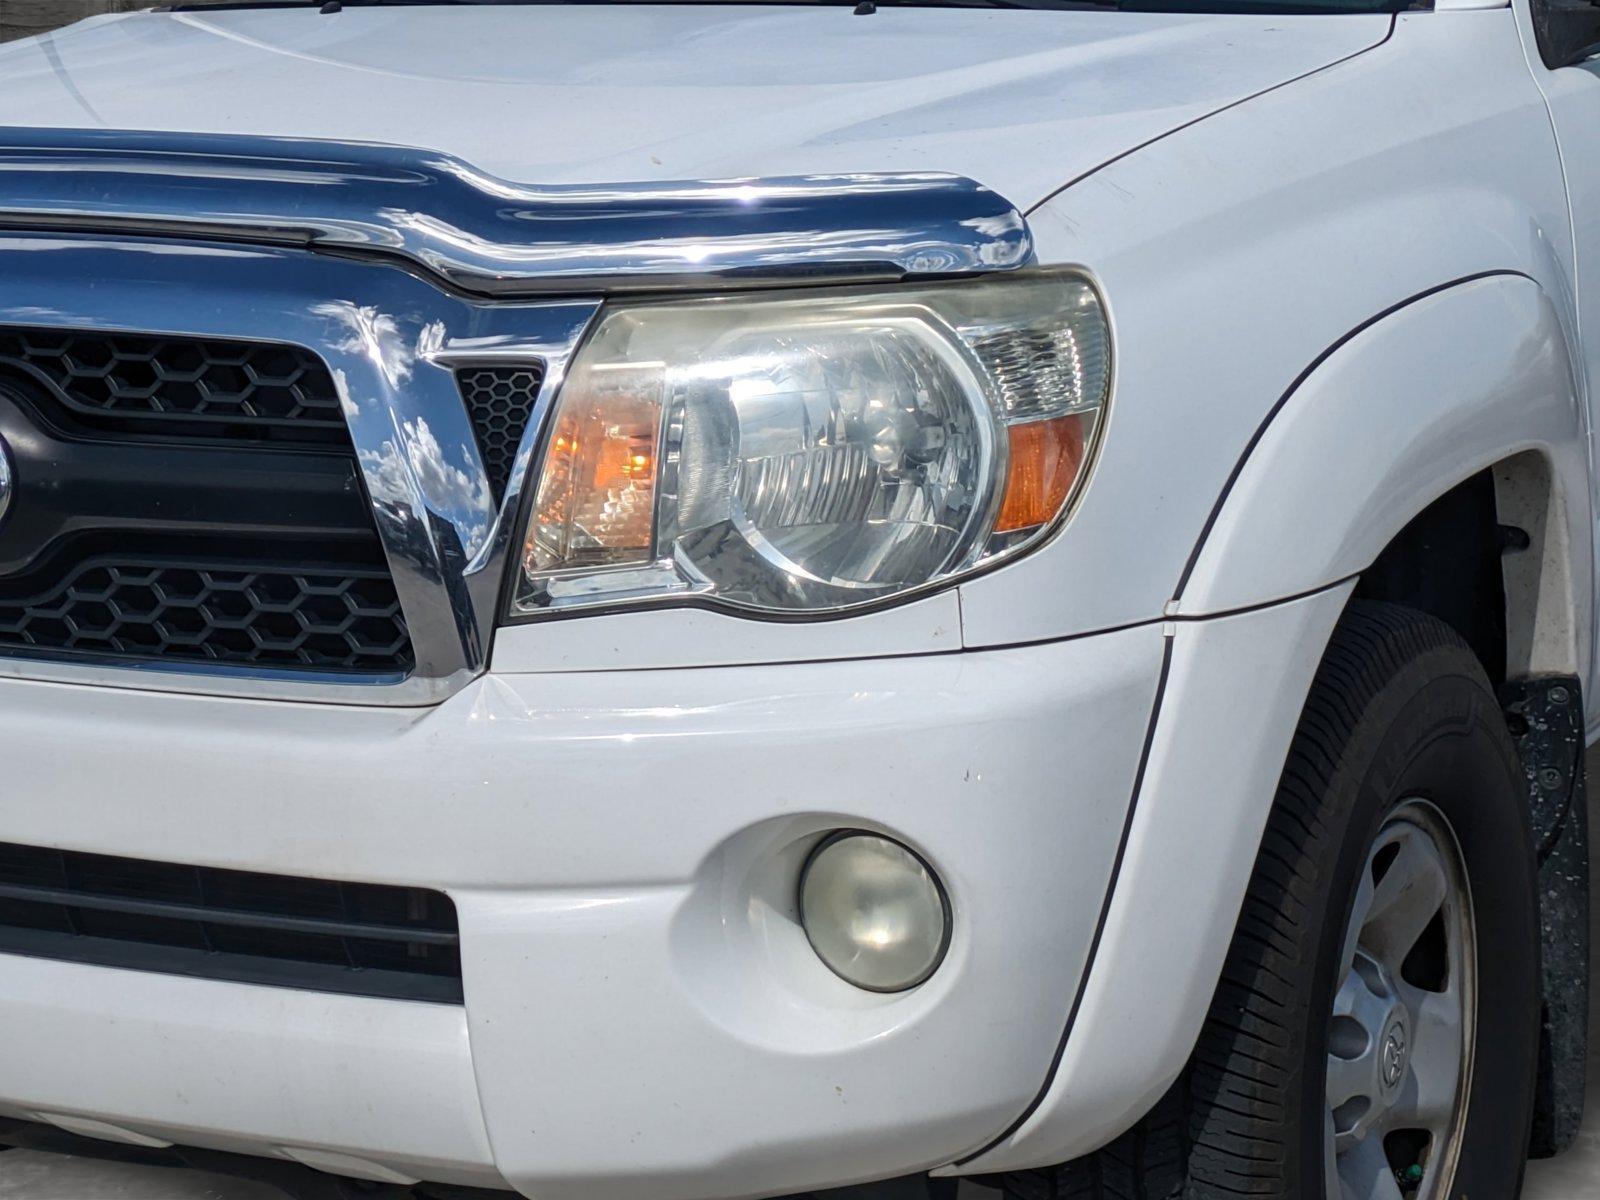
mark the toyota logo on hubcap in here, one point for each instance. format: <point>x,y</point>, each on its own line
<point>1394,1056</point>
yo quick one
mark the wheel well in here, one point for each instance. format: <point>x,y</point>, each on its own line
<point>1447,563</point>
<point>1490,559</point>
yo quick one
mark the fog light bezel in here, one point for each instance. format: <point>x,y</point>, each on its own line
<point>946,913</point>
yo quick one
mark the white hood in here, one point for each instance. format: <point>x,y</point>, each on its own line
<point>1020,100</point>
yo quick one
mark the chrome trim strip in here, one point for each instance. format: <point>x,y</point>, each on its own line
<point>486,236</point>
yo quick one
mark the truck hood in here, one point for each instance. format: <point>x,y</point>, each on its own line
<point>1020,100</point>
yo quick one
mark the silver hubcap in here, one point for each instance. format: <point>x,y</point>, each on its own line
<point>1404,1017</point>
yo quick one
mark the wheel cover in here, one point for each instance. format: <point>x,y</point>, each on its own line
<point>1404,1019</point>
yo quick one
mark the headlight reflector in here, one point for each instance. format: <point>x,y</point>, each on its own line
<point>814,452</point>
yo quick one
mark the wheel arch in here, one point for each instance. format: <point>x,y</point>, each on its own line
<point>1380,445</point>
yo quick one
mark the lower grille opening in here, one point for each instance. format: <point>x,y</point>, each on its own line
<point>316,934</point>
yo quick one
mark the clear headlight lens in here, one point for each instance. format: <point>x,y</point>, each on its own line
<point>811,453</point>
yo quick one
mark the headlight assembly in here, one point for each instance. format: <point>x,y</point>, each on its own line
<point>812,453</point>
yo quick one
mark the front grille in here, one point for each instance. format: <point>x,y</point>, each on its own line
<point>185,388</point>
<point>203,610</point>
<point>317,934</point>
<point>500,401</point>
<point>183,501</point>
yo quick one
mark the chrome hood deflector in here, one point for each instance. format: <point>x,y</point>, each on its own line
<point>487,236</point>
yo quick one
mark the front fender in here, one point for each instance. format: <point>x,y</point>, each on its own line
<point>1385,421</point>
<point>1293,384</point>
<point>1230,696</point>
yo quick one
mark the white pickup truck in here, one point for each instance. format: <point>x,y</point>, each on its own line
<point>692,601</point>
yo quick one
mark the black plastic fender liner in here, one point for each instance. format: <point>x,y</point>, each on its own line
<point>1545,715</point>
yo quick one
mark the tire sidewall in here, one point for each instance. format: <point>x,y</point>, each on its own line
<point>1436,733</point>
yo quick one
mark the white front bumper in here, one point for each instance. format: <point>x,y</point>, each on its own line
<point>643,1016</point>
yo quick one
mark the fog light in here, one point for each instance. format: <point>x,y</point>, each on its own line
<point>875,912</point>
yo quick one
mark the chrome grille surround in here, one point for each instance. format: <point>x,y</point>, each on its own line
<point>392,342</point>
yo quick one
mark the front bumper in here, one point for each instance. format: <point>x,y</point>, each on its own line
<point>643,1016</point>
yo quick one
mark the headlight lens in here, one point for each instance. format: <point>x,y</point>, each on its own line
<point>813,453</point>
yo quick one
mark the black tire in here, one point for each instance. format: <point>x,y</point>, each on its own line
<point>1400,708</point>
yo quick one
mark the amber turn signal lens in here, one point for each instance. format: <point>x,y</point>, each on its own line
<point>596,502</point>
<point>1046,457</point>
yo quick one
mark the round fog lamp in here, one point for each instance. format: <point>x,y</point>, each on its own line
<point>875,912</point>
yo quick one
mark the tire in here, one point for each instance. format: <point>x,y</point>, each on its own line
<point>1401,732</point>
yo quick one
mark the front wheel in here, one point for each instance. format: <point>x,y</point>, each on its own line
<point>1403,1026</point>
<point>1375,1032</point>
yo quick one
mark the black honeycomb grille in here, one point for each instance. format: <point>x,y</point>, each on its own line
<point>186,388</point>
<point>318,934</point>
<point>347,618</point>
<point>500,402</point>
<point>188,500</point>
